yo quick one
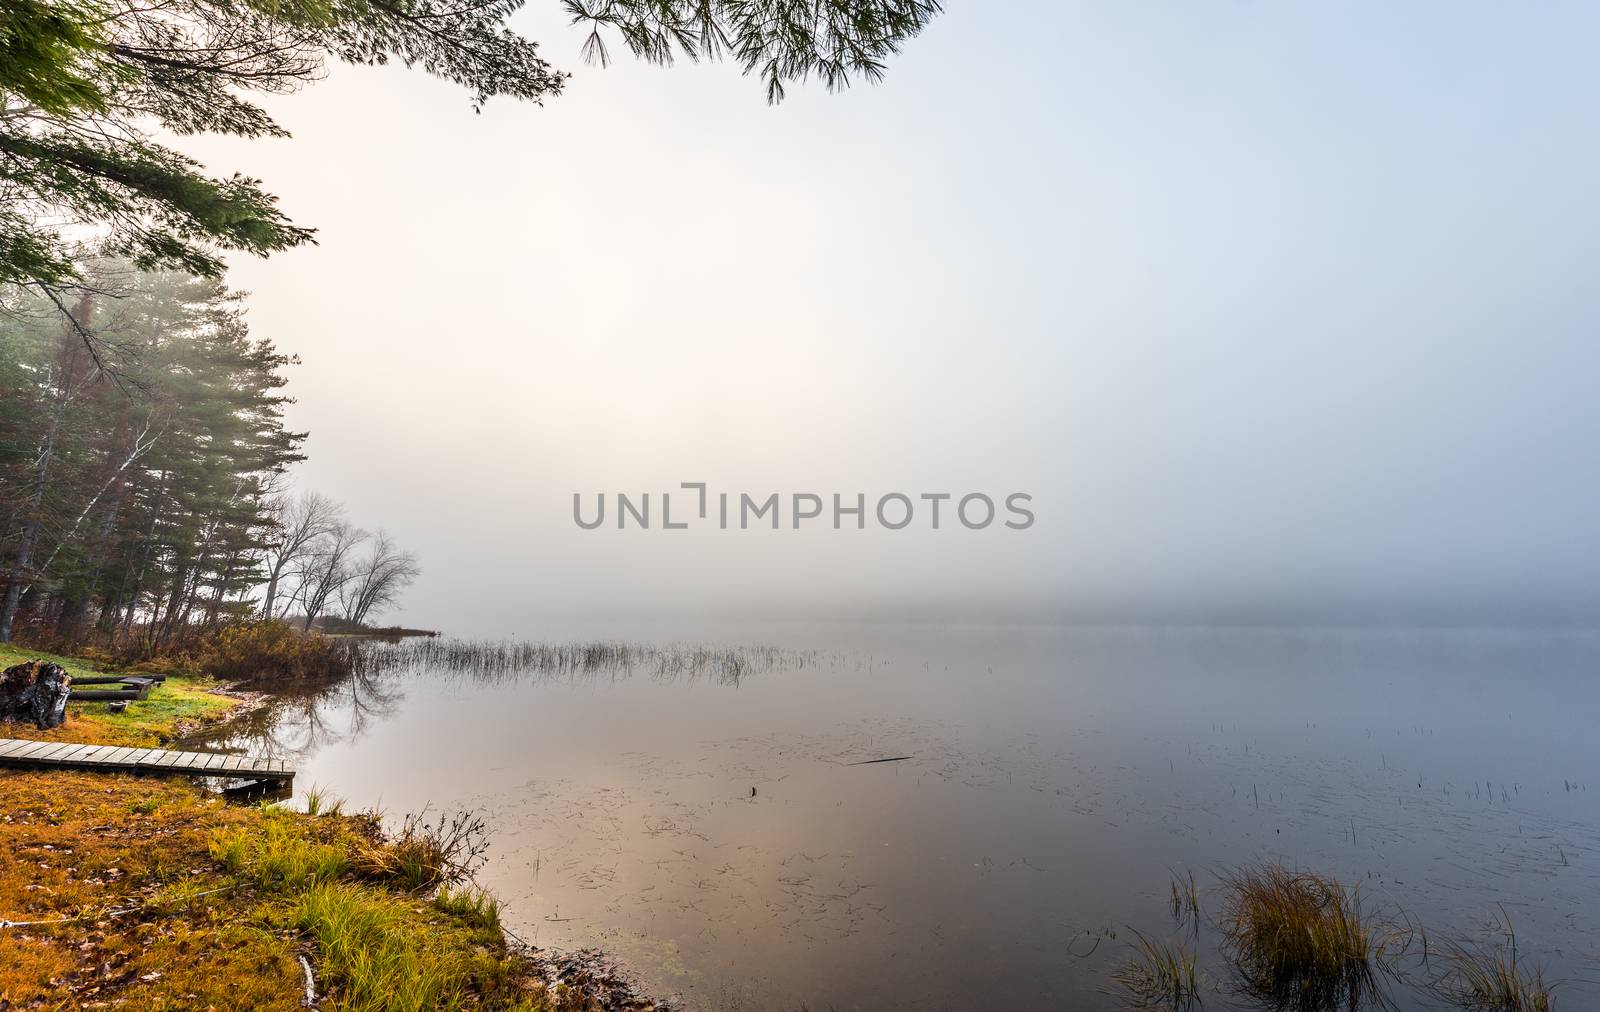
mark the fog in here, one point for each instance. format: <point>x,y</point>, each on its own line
<point>1279,313</point>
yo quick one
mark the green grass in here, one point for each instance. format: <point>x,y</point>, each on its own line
<point>320,802</point>
<point>373,948</point>
<point>277,853</point>
<point>369,947</point>
<point>11,654</point>
<point>472,905</point>
<point>180,700</point>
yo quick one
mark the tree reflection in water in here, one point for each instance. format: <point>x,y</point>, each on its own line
<point>299,718</point>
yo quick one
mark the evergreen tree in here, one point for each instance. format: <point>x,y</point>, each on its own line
<point>146,496</point>
<point>85,85</point>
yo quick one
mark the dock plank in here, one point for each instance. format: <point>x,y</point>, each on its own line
<point>112,758</point>
<point>33,748</point>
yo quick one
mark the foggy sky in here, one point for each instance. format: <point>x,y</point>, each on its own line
<point>1278,311</point>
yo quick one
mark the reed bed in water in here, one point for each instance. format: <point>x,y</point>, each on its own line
<point>508,659</point>
<point>1300,942</point>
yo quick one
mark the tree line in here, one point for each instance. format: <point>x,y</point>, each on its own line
<point>144,486</point>
<point>142,447</point>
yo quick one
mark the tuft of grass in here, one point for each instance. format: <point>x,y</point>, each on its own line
<point>274,854</point>
<point>1297,940</point>
<point>472,905</point>
<point>1493,979</point>
<point>1159,975</point>
<point>364,946</point>
<point>424,854</point>
<point>320,802</point>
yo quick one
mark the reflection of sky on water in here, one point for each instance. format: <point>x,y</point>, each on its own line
<point>714,835</point>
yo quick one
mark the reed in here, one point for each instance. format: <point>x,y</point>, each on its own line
<point>1185,900</point>
<point>503,660</point>
<point>1298,941</point>
<point>1159,975</point>
<point>1493,979</point>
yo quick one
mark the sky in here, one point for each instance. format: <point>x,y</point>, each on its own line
<point>1279,312</point>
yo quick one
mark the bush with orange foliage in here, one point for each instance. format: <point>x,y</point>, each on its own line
<point>273,651</point>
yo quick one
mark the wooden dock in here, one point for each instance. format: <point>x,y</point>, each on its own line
<point>115,759</point>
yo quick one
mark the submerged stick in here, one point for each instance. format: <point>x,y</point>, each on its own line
<point>890,759</point>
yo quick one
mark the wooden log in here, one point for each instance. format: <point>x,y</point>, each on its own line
<point>94,695</point>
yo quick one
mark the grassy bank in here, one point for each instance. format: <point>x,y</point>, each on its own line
<point>123,892</point>
<point>180,704</point>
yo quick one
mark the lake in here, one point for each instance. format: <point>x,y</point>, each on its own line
<point>715,820</point>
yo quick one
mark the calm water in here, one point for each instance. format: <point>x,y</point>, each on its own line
<point>715,836</point>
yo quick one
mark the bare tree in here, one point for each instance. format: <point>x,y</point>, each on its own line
<point>378,579</point>
<point>300,522</point>
<point>327,567</point>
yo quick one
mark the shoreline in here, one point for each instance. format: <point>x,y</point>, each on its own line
<point>92,915</point>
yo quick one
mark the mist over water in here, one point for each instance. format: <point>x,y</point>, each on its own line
<point>1281,315</point>
<point>708,810</point>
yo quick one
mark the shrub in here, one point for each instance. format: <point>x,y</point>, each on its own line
<point>272,651</point>
<point>425,854</point>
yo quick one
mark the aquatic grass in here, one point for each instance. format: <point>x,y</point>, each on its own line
<point>491,661</point>
<point>1185,900</point>
<point>1494,979</point>
<point>1159,975</point>
<point>1298,940</point>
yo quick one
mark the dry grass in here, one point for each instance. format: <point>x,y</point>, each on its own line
<point>424,854</point>
<point>1159,975</point>
<point>1493,979</point>
<point>161,897</point>
<point>1297,940</point>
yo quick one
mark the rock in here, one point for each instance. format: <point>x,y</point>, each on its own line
<point>37,692</point>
